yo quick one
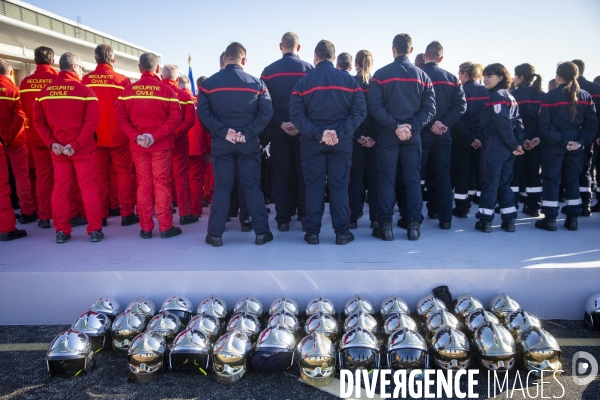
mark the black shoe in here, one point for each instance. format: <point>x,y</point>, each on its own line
<point>114,212</point>
<point>174,231</point>
<point>44,223</point>
<point>215,241</point>
<point>460,214</point>
<point>264,238</point>
<point>374,225</point>
<point>78,221</point>
<point>531,212</point>
<point>16,234</point>
<point>432,215</point>
<point>595,207</point>
<point>174,211</point>
<point>402,223</point>
<point>344,238</point>
<point>484,226</point>
<point>549,225</point>
<point>146,234</point>
<point>247,226</point>
<point>62,237</point>
<point>354,225</point>
<point>445,225</point>
<point>571,223</point>
<point>188,219</point>
<point>586,212</point>
<point>561,199</point>
<point>205,203</point>
<point>17,216</point>
<point>96,236</point>
<point>414,230</point>
<point>104,222</point>
<point>384,232</point>
<point>26,219</point>
<point>311,238</point>
<point>283,227</point>
<point>508,226</point>
<point>130,220</point>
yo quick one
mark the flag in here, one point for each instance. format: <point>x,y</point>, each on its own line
<point>191,75</point>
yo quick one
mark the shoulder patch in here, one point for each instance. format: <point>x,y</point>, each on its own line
<point>497,108</point>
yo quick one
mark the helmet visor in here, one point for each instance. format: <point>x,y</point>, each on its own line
<point>189,362</point>
<point>183,316</point>
<point>273,360</point>
<point>318,371</point>
<point>407,359</point>
<point>67,368</point>
<point>355,358</point>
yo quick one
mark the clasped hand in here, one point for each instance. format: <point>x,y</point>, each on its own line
<point>573,146</point>
<point>438,128</point>
<point>145,140</point>
<point>235,137</point>
<point>289,128</point>
<point>519,151</point>
<point>403,132</point>
<point>366,141</point>
<point>330,137</point>
<point>60,150</point>
<point>530,144</point>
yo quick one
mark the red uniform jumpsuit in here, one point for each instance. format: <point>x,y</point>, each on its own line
<point>112,144</point>
<point>150,106</point>
<point>197,137</point>
<point>67,112</point>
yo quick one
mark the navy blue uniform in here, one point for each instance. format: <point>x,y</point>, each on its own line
<point>280,78</point>
<point>327,99</point>
<point>529,109</point>
<point>450,104</point>
<point>465,158</point>
<point>501,130</point>
<point>234,99</point>
<point>559,165</point>
<point>400,93</point>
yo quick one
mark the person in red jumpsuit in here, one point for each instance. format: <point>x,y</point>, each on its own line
<point>112,145</point>
<point>66,115</point>
<point>148,113</point>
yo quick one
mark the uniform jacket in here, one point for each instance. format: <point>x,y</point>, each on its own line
<point>12,116</point>
<point>476,96</point>
<point>188,115</point>
<point>149,106</point>
<point>500,116</point>
<point>556,125</point>
<point>529,108</point>
<point>594,90</point>
<point>233,99</point>
<point>67,112</point>
<point>401,93</point>
<point>327,99</point>
<point>108,85</point>
<point>197,136</point>
<point>367,127</point>
<point>450,101</point>
<point>30,90</point>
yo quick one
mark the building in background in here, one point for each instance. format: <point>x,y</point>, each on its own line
<point>24,27</point>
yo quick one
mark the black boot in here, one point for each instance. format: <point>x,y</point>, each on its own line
<point>130,220</point>
<point>26,219</point>
<point>344,238</point>
<point>546,223</point>
<point>188,219</point>
<point>374,224</point>
<point>114,212</point>
<point>78,221</point>
<point>62,237</point>
<point>283,227</point>
<point>104,222</point>
<point>402,223</point>
<point>586,212</point>
<point>311,238</point>
<point>215,241</point>
<point>508,226</point>
<point>246,225</point>
<point>484,226</point>
<point>571,223</point>
<point>354,225</point>
<point>16,234</point>
<point>263,238</point>
<point>169,233</point>
<point>145,234</point>
<point>96,236</point>
<point>414,229</point>
<point>44,223</point>
<point>460,213</point>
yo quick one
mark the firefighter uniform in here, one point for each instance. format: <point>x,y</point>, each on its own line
<point>450,104</point>
<point>327,99</point>
<point>280,78</point>
<point>198,138</point>
<point>233,99</point>
<point>150,106</point>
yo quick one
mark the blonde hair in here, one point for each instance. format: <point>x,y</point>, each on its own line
<point>474,71</point>
<point>364,59</point>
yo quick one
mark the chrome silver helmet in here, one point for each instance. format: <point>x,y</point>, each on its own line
<point>97,328</point>
<point>438,320</point>
<point>322,323</point>
<point>143,306</point>
<point>393,305</point>
<point>165,324</point>
<point>428,305</point>
<point>146,356</point>
<point>107,306</point>
<point>320,304</point>
<point>519,320</point>
<point>502,305</point>
<point>479,317</point>
<point>591,318</point>
<point>207,324</point>
<point>124,329</point>
<point>359,349</point>
<point>451,349</point>
<point>70,354</point>
<point>406,349</point>
<point>230,357</point>
<point>398,321</point>
<point>274,350</point>
<point>285,320</point>
<point>495,347</point>
<point>190,352</point>
<point>358,303</point>
<point>284,304</point>
<point>249,304</point>
<point>316,356</point>
<point>363,320</point>
<point>245,322</point>
<point>216,307</point>
<point>538,350</point>
<point>465,304</point>
<point>180,306</point>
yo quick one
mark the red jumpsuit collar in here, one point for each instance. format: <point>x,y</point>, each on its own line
<point>149,74</point>
<point>45,68</point>
<point>68,76</point>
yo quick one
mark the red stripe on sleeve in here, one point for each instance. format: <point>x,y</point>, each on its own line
<point>383,82</point>
<point>345,89</point>
<point>266,78</point>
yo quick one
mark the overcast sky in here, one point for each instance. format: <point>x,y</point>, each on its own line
<point>511,32</point>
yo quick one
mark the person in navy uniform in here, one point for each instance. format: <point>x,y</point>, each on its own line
<point>235,107</point>
<point>501,130</point>
<point>327,106</point>
<point>450,104</point>
<point>402,101</point>
<point>280,78</point>
<point>568,123</point>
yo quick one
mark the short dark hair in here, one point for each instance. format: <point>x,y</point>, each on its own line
<point>325,50</point>
<point>597,79</point>
<point>501,71</point>
<point>66,60</point>
<point>580,65</point>
<point>344,61</point>
<point>222,60</point>
<point>234,52</point>
<point>149,62</point>
<point>419,61</point>
<point>104,54</point>
<point>201,80</point>
<point>43,55</point>
<point>5,67</point>
<point>434,50</point>
<point>402,43</point>
<point>289,41</point>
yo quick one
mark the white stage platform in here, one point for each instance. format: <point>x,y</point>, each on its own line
<point>550,273</point>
